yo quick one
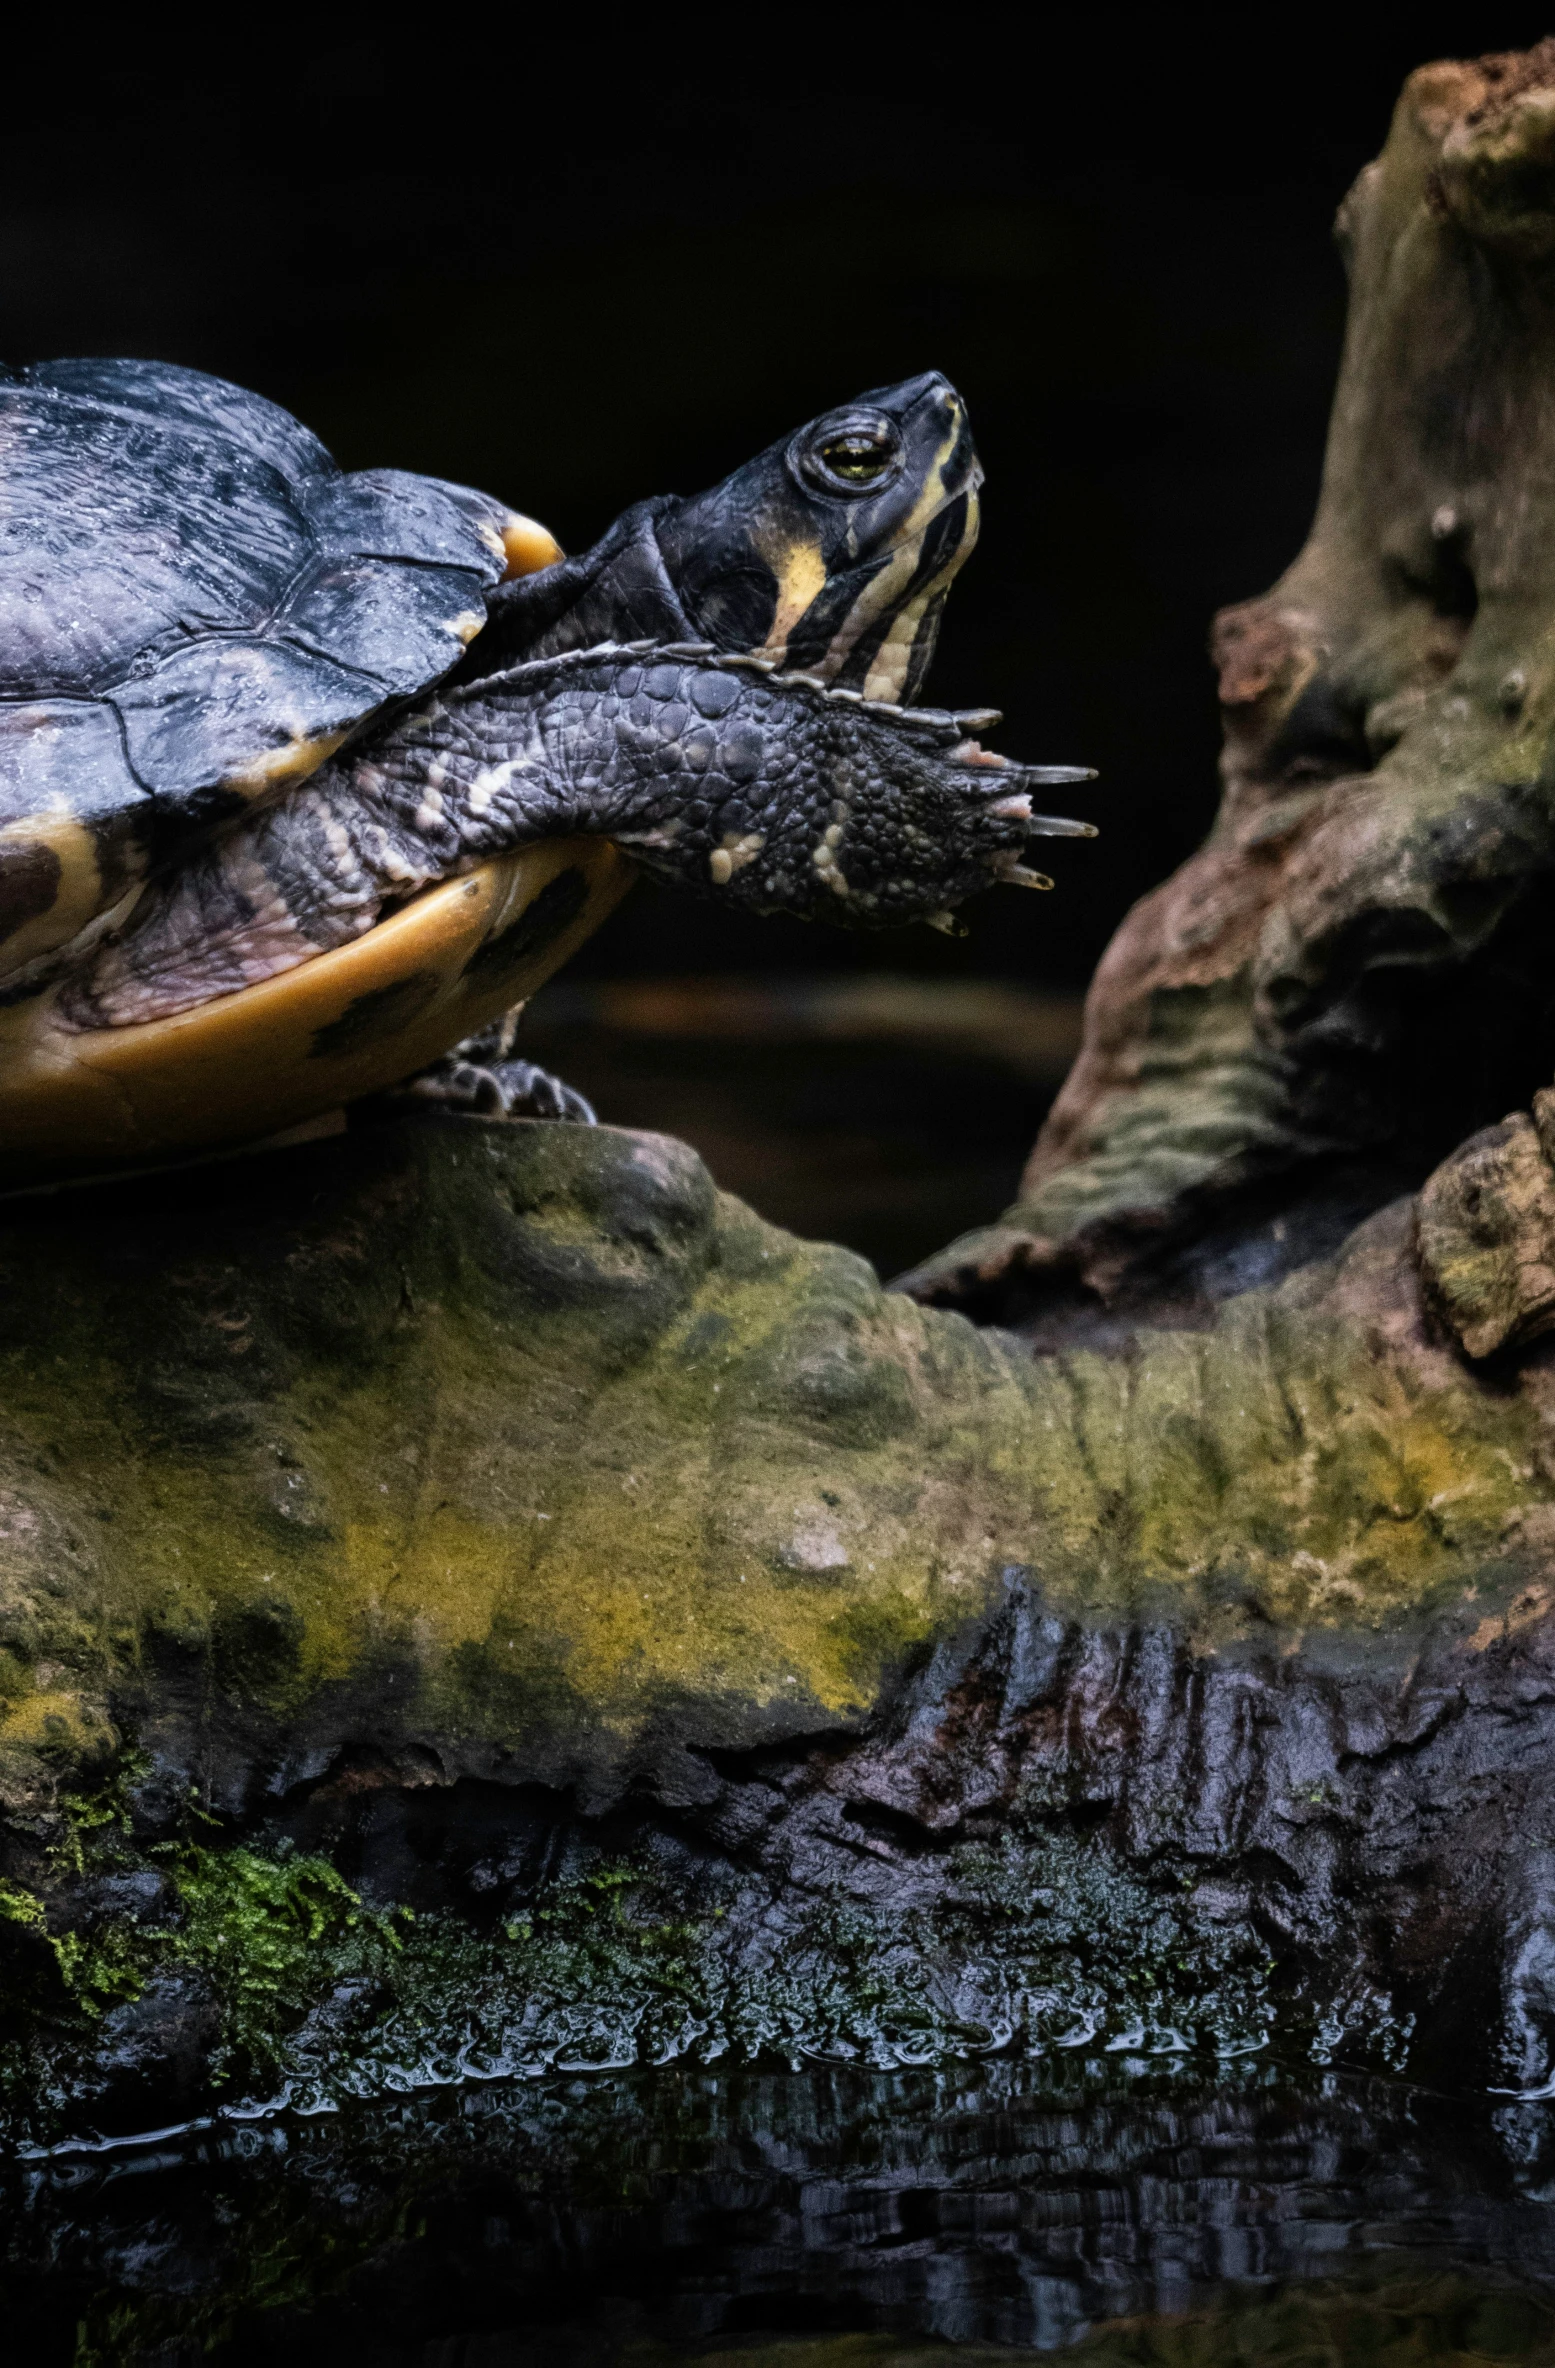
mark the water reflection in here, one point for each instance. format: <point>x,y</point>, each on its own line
<point>807,2220</point>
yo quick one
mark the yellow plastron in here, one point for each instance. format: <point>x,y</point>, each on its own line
<point>271,1056</point>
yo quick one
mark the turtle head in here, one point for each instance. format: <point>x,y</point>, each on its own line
<point>830,553</point>
<point>833,550</point>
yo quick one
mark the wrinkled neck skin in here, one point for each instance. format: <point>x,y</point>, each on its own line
<point>621,590</point>
<point>873,625</point>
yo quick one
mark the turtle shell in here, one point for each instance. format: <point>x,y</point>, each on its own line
<point>197,607</point>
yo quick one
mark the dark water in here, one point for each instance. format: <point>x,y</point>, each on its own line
<point>818,2219</point>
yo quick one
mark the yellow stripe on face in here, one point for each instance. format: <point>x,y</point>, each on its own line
<point>887,676</point>
<point>878,597</point>
<point>801,575</point>
<point>936,493</point>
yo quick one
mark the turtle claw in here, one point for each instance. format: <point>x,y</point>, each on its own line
<point>1015,806</point>
<point>1014,874</point>
<point>480,1075</point>
<point>509,1089</point>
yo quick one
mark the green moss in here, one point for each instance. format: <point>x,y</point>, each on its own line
<point>1040,1940</point>
<point>51,1738</point>
<point>94,1971</point>
<point>102,1969</point>
<point>20,1906</point>
<point>273,1935</point>
<point>624,1964</point>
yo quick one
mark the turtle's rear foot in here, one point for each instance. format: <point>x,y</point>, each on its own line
<point>498,1089</point>
<point>481,1075</point>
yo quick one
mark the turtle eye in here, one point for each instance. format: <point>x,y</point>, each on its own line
<point>856,458</point>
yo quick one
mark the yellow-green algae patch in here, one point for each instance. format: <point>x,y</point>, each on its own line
<point>529,1426</point>
<point>525,1441</point>
<point>1315,1450</point>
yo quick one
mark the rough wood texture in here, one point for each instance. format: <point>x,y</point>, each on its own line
<point>455,1498</point>
<point>1355,971</point>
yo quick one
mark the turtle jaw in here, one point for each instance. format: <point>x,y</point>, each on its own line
<point>885,651</point>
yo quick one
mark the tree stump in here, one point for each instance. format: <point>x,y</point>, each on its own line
<point>1357,969</point>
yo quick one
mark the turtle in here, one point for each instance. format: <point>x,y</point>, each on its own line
<point>309,776</point>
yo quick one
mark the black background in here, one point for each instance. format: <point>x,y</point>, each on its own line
<point>579,270</point>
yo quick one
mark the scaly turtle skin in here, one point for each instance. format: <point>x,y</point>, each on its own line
<point>307,776</point>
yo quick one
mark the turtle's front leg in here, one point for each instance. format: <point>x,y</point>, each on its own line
<point>767,791</point>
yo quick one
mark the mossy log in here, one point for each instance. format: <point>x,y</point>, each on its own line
<point>523,1446</point>
<point>519,1436</point>
<point>443,1494</point>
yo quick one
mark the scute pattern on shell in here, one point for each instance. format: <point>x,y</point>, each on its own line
<point>191,589</point>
